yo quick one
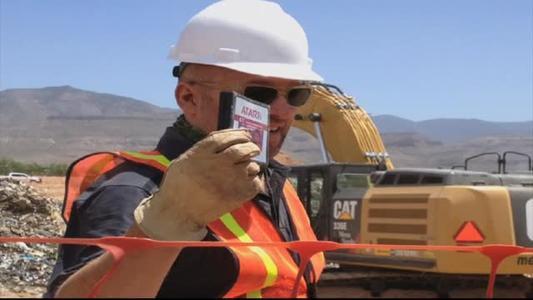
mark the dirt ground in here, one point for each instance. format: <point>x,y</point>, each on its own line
<point>51,186</point>
<point>54,187</point>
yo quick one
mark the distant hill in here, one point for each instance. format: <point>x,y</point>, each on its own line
<point>414,150</point>
<point>453,130</point>
<point>67,102</point>
<point>435,143</point>
<point>59,124</point>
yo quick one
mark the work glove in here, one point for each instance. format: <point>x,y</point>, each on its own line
<point>214,177</point>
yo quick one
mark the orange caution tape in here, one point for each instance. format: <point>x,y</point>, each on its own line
<point>120,246</point>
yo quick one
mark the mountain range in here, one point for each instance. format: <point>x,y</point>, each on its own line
<point>59,124</point>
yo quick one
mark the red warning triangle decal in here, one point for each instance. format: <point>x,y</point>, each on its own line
<point>469,233</point>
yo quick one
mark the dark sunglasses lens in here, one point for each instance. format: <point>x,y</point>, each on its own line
<point>260,93</point>
<point>298,96</point>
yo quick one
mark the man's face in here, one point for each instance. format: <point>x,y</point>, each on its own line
<point>204,115</point>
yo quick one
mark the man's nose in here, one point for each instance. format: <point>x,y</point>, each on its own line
<point>281,109</point>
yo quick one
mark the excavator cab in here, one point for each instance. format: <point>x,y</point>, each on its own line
<point>332,195</point>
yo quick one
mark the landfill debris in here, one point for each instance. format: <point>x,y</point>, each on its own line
<point>26,268</point>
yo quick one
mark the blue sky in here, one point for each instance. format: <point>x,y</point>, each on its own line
<point>416,59</point>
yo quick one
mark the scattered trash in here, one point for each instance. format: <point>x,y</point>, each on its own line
<point>25,212</point>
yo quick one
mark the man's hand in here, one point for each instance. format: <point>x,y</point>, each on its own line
<point>212,178</point>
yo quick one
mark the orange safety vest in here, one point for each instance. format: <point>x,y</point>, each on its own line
<point>263,271</point>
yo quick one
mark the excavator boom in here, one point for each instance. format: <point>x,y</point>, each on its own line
<point>345,129</point>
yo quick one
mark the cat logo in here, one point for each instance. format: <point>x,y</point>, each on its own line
<point>345,216</point>
<point>344,210</point>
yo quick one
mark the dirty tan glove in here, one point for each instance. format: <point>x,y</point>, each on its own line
<point>212,178</point>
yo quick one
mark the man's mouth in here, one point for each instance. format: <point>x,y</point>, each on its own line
<point>274,129</point>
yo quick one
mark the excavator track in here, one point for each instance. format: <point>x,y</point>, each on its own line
<point>376,282</point>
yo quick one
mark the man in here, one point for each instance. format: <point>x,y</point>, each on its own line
<point>211,189</point>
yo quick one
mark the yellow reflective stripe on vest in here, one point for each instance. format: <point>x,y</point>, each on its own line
<point>157,157</point>
<point>254,294</point>
<point>272,270</point>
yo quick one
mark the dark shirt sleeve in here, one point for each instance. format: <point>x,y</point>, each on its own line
<point>107,212</point>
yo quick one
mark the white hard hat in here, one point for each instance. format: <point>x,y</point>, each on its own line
<point>250,36</point>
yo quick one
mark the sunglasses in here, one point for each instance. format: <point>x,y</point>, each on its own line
<point>296,96</point>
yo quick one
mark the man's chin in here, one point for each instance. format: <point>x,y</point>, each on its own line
<point>273,152</point>
<point>275,144</point>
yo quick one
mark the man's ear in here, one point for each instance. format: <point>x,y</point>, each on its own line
<point>185,98</point>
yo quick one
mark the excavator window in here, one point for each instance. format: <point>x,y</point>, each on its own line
<point>432,180</point>
<point>352,180</point>
<point>317,184</point>
<point>388,179</point>
<point>408,179</point>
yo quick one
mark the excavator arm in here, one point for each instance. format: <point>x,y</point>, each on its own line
<point>343,128</point>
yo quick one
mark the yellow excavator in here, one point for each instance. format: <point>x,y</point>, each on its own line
<point>357,196</point>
